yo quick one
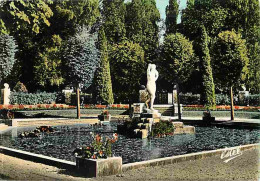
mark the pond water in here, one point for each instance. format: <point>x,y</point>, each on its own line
<point>62,143</point>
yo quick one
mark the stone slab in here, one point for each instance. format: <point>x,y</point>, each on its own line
<point>178,124</point>
<point>189,129</point>
<point>178,131</point>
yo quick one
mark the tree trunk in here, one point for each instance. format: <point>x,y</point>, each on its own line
<point>78,102</point>
<point>178,101</point>
<point>231,104</point>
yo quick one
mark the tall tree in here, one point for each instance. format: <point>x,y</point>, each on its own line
<point>142,19</point>
<point>172,12</point>
<point>127,69</point>
<point>230,61</point>
<point>114,20</point>
<point>177,61</point>
<point>208,95</point>
<point>102,80</point>
<point>81,58</point>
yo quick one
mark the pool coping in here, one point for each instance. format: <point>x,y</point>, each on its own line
<point>125,167</point>
<point>186,157</point>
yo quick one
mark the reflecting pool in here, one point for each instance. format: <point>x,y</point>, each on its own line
<point>65,139</point>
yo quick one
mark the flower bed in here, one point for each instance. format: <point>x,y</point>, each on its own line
<point>60,106</point>
<point>221,108</point>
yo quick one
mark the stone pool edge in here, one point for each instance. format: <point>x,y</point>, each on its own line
<point>186,157</point>
<point>37,157</point>
<point>125,167</point>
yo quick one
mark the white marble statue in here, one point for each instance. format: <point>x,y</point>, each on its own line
<point>152,76</point>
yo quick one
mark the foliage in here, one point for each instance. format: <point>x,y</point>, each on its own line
<point>172,12</point>
<point>253,80</point>
<point>114,16</point>
<point>162,128</point>
<point>177,58</point>
<point>189,98</point>
<point>7,55</point>
<point>81,57</point>
<point>48,66</point>
<point>208,94</point>
<point>230,60</point>
<point>99,148</point>
<point>127,68</point>
<point>102,80</point>
<point>27,14</point>
<point>3,30</point>
<point>20,87</point>
<point>211,16</point>
<point>222,99</point>
<point>142,19</point>
<point>30,99</point>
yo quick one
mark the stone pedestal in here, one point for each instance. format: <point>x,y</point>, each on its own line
<point>5,95</point>
<point>180,128</point>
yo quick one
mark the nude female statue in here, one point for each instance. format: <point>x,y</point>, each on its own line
<point>152,76</point>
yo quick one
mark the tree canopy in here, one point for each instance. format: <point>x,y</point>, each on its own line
<point>128,67</point>
<point>230,60</point>
<point>81,57</point>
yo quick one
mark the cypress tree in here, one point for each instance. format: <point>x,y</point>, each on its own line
<point>208,95</point>
<point>172,11</point>
<point>102,81</point>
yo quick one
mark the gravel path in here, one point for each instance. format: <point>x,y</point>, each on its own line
<point>243,168</point>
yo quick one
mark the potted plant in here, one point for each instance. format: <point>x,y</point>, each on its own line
<point>96,159</point>
<point>104,116</point>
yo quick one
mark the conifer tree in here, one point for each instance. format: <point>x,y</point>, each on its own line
<point>208,95</point>
<point>7,55</point>
<point>102,80</point>
<point>172,11</point>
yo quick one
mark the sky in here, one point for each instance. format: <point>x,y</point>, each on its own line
<point>161,5</point>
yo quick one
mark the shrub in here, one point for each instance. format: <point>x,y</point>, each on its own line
<point>254,100</point>
<point>189,98</point>
<point>162,128</point>
<point>222,99</point>
<point>32,99</point>
<point>20,87</point>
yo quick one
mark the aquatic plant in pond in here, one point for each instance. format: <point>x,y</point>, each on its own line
<point>65,139</point>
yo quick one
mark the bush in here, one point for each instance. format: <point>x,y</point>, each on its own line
<point>254,100</point>
<point>189,98</point>
<point>20,87</point>
<point>31,99</point>
<point>162,128</point>
<point>222,99</point>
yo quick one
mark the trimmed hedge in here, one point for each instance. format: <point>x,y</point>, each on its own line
<point>32,99</point>
<point>189,98</point>
<point>221,99</point>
